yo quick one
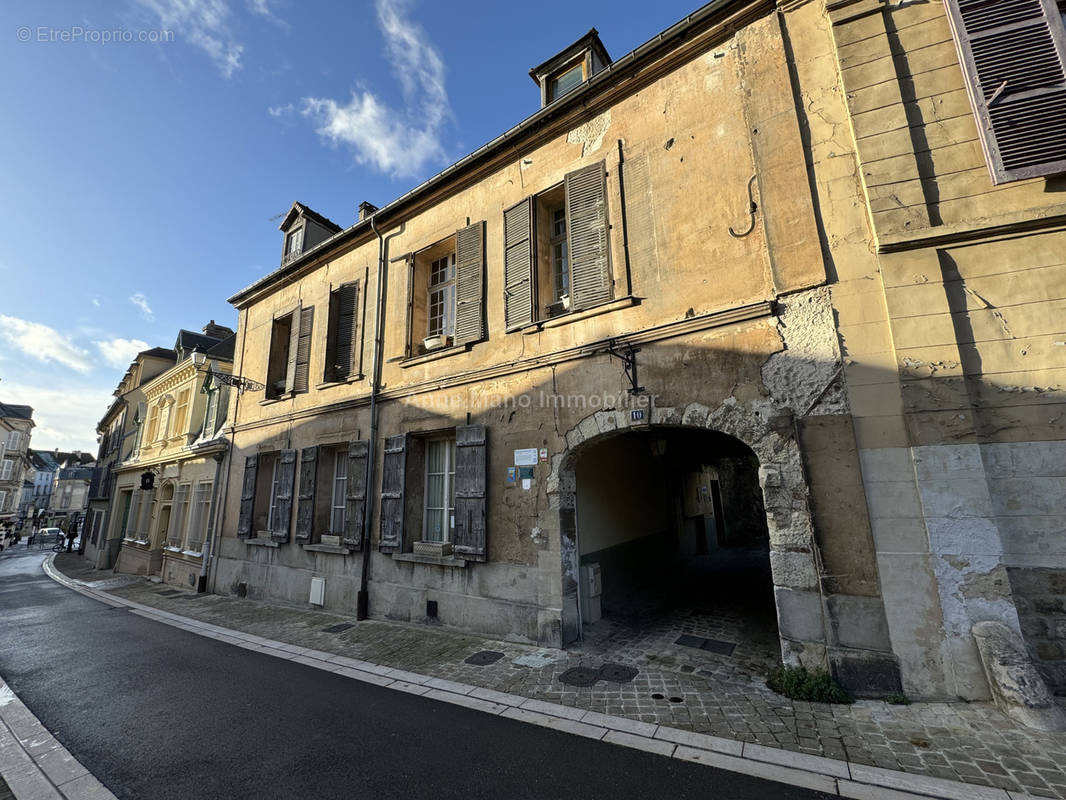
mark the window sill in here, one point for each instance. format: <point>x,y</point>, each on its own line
<point>433,355</point>
<point>440,561</point>
<point>329,548</point>
<point>262,541</point>
<point>577,316</point>
<point>269,401</point>
<point>346,382</point>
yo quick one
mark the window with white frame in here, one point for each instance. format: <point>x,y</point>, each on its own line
<point>441,301</point>
<point>438,519</point>
<point>68,492</point>
<point>3,500</point>
<point>201,513</point>
<point>7,470</point>
<point>560,265</point>
<point>294,243</point>
<point>338,502</point>
<point>181,413</point>
<point>152,432</point>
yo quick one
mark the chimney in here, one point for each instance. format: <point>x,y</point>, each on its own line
<point>216,331</point>
<point>366,209</point>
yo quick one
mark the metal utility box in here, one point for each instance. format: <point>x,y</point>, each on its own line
<point>318,592</point>
<point>591,590</point>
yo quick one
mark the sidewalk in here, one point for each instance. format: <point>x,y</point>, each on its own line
<point>871,743</point>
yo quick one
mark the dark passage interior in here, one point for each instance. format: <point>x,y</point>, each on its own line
<point>674,548</point>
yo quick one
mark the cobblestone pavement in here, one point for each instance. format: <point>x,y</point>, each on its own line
<point>676,686</point>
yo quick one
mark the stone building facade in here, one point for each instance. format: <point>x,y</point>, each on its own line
<point>165,489</point>
<point>747,295</point>
<point>16,428</point>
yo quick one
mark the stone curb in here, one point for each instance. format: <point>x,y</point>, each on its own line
<point>34,764</point>
<point>841,778</point>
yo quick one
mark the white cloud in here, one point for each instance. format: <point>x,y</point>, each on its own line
<point>43,343</point>
<point>119,352</point>
<point>398,142</point>
<point>281,111</point>
<point>96,301</point>
<point>261,8</point>
<point>141,302</point>
<point>204,24</point>
<point>65,418</point>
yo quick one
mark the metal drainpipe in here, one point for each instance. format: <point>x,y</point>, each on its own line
<point>363,598</point>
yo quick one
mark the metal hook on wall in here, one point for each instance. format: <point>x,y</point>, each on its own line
<point>752,208</point>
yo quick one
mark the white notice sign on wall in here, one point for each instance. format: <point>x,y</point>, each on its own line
<point>525,458</point>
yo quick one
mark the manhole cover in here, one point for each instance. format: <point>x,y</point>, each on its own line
<point>658,696</point>
<point>685,640</point>
<point>580,676</point>
<point>618,673</point>
<point>484,658</point>
<point>340,626</point>
<point>676,700</point>
<point>710,645</point>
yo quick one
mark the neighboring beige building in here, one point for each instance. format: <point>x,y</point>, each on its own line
<point>165,490</point>
<point>16,427</point>
<point>777,227</point>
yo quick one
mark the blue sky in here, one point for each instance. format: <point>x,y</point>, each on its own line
<point>143,177</point>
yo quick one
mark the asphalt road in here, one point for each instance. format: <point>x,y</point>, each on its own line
<point>157,712</point>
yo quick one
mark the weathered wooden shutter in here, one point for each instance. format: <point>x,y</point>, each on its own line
<point>390,535</point>
<point>355,497</point>
<point>244,524</point>
<point>294,346</point>
<point>303,349</point>
<point>305,509</point>
<point>343,339</point>
<point>132,515</point>
<point>469,283</point>
<point>408,348</point>
<point>518,291</point>
<point>470,474</point>
<point>586,236</point>
<point>283,501</point>
<point>1013,57</point>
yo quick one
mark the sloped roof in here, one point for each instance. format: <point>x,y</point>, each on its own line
<point>223,350</point>
<point>299,209</point>
<point>18,412</point>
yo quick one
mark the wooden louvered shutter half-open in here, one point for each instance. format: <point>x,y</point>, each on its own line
<point>305,508</point>
<point>586,234</point>
<point>355,495</point>
<point>1013,56</point>
<point>469,283</point>
<point>343,335</point>
<point>283,501</point>
<point>470,474</point>
<point>303,349</point>
<point>251,468</point>
<point>390,536</point>
<point>518,265</point>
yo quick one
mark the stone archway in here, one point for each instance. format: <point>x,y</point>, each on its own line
<point>767,430</point>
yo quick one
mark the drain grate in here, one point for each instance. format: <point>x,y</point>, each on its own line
<point>580,676</point>
<point>339,627</point>
<point>710,645</point>
<point>618,673</point>
<point>484,658</point>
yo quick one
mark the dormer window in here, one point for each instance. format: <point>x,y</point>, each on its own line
<point>294,243</point>
<point>566,80</point>
<point>569,69</point>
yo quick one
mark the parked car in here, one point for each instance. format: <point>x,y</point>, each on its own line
<point>46,536</point>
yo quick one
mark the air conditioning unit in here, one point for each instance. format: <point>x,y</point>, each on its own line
<point>318,592</point>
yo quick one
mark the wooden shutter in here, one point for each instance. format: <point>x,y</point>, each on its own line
<point>342,341</point>
<point>390,535</point>
<point>303,349</point>
<point>212,412</point>
<point>129,531</point>
<point>294,346</point>
<point>244,524</point>
<point>469,283</point>
<point>518,293</point>
<point>408,347</point>
<point>470,474</point>
<point>305,509</point>
<point>586,236</point>
<point>355,497</point>
<point>283,501</point>
<point>1013,57</point>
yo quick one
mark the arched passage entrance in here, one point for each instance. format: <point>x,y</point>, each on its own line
<point>673,546</point>
<point>759,438</point>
